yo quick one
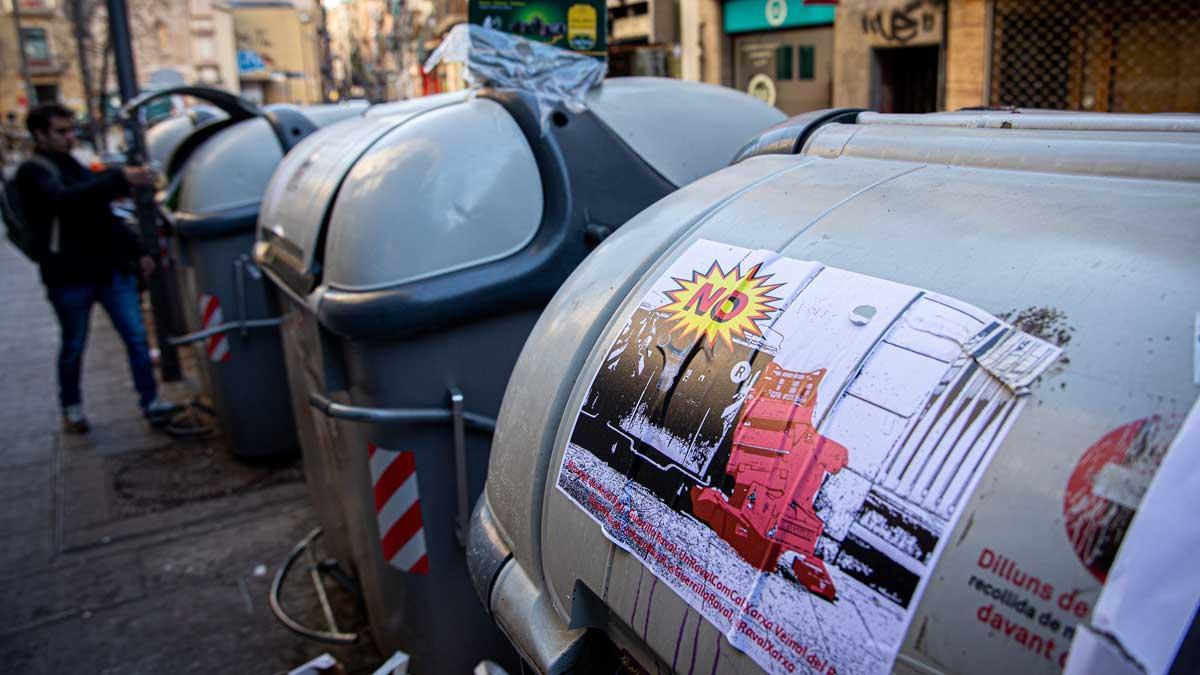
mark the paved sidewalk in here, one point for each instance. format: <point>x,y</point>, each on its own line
<point>125,551</point>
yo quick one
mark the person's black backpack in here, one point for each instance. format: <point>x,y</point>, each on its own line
<point>22,232</point>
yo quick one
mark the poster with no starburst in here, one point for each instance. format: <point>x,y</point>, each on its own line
<point>787,444</point>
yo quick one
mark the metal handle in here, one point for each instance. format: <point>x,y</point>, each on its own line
<point>354,413</point>
<point>458,417</point>
<point>233,105</point>
<point>239,288</point>
<point>334,635</point>
<point>223,328</point>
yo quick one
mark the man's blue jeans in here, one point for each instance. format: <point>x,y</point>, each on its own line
<point>119,298</point>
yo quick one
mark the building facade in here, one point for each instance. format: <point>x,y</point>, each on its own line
<point>799,55</point>
<point>781,51</point>
<point>214,45</point>
<point>910,56</point>
<point>889,55</point>
<point>46,37</point>
<point>269,50</point>
<point>278,50</point>
<point>643,38</point>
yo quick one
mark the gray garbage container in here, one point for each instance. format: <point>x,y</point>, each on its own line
<point>320,438</point>
<point>163,138</point>
<point>218,176</point>
<point>414,260</point>
<point>883,396</point>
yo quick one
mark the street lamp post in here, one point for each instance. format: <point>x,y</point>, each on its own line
<point>147,213</point>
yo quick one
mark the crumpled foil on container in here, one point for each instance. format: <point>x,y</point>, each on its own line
<point>557,78</point>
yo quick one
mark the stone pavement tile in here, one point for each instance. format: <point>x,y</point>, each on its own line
<point>116,435</point>
<point>26,552</point>
<point>69,590</point>
<point>81,531</point>
<point>38,421</point>
<point>229,553</point>
<point>27,415</point>
<point>29,438</point>
<point>207,630</point>
<point>35,376</point>
<point>26,480</point>
<point>247,556</point>
<point>26,513</point>
<point>21,653</point>
<point>25,404</point>
<point>132,495</point>
<point>24,454</point>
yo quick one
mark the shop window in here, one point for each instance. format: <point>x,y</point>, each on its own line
<point>204,49</point>
<point>808,57</point>
<point>37,48</point>
<point>783,62</point>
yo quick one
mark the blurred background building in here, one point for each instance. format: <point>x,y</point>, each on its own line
<point>889,55</point>
<point>279,49</point>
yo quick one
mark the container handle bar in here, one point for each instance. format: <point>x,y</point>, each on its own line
<point>356,413</point>
<point>334,634</point>
<point>235,106</point>
<point>223,328</point>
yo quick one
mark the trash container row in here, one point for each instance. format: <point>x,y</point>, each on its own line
<point>779,419</point>
<point>413,258</point>
<point>218,164</point>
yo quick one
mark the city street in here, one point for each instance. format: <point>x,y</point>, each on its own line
<point>125,551</point>
<point>794,337</point>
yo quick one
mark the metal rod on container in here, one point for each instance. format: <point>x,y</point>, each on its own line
<point>122,46</point>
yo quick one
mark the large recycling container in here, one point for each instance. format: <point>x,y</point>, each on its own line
<point>415,258</point>
<point>319,437</point>
<point>163,138</point>
<point>214,206</point>
<point>882,396</point>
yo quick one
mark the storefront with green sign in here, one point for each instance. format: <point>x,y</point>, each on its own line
<point>577,25</point>
<point>782,51</point>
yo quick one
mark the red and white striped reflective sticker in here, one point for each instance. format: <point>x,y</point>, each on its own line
<point>216,346</point>
<point>398,509</point>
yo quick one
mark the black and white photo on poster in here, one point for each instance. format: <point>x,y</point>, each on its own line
<point>787,444</point>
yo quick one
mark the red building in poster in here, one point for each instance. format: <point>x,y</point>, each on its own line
<point>778,463</point>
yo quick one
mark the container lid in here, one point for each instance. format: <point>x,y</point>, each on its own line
<point>232,168</point>
<point>1062,120</point>
<point>164,137</point>
<point>296,202</point>
<point>407,105</point>
<point>685,130</point>
<point>452,189</point>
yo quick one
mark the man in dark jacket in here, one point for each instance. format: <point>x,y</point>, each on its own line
<point>89,256</point>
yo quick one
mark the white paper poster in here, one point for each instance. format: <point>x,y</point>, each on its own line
<point>787,445</point>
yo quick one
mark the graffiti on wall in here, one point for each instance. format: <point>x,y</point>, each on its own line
<point>903,22</point>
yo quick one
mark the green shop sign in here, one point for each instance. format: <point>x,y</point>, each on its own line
<point>577,25</point>
<point>743,16</point>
